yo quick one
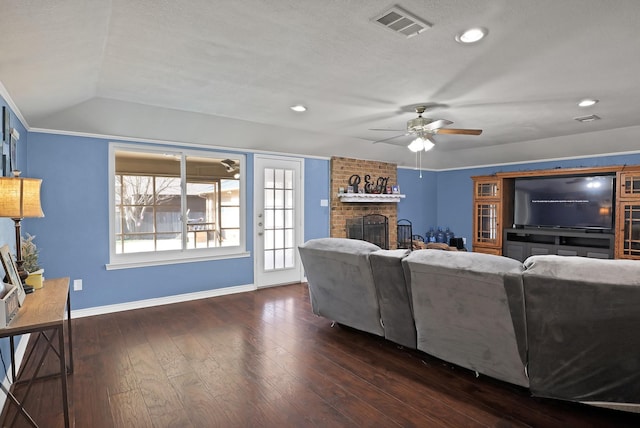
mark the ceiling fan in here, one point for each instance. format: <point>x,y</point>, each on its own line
<point>422,128</point>
<point>230,165</point>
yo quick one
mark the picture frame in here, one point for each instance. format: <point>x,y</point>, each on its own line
<point>395,189</point>
<point>11,271</point>
<point>13,154</point>
<point>6,123</point>
<point>6,132</point>
<point>349,189</point>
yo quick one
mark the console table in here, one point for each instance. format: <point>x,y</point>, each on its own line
<point>42,313</point>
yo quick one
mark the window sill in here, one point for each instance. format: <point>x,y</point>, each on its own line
<point>132,262</point>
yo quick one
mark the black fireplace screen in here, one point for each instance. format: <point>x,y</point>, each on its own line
<point>405,234</point>
<point>372,228</point>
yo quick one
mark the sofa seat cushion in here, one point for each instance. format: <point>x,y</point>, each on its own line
<point>469,310</point>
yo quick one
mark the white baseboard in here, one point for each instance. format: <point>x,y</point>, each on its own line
<point>107,309</point>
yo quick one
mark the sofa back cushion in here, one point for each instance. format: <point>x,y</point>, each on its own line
<point>340,281</point>
<point>469,310</point>
<point>583,323</point>
<point>395,306</point>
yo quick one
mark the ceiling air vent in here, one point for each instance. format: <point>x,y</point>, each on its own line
<point>401,22</point>
<point>589,118</point>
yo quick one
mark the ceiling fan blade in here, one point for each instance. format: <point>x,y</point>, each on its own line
<point>386,129</point>
<point>437,124</point>
<point>387,140</point>
<point>457,131</point>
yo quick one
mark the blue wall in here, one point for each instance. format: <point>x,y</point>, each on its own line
<point>316,217</point>
<point>419,205</point>
<point>73,236</point>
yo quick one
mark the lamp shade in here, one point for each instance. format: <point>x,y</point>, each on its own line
<point>428,144</point>
<point>20,197</point>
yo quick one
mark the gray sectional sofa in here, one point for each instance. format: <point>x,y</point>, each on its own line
<point>564,327</point>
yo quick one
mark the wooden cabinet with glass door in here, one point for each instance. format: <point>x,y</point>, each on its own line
<point>628,214</point>
<point>491,208</point>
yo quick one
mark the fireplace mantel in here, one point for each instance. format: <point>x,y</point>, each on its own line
<point>370,197</point>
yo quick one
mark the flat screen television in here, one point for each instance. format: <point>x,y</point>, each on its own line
<point>568,201</point>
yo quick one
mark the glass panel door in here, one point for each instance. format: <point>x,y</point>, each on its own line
<point>487,218</point>
<point>278,222</point>
<point>631,234</point>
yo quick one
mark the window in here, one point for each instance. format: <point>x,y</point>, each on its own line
<point>175,205</point>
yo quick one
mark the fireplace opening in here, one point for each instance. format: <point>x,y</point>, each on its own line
<point>372,228</point>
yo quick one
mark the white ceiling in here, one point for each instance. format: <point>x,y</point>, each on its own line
<point>224,73</point>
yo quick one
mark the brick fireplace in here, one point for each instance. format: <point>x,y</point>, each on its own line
<point>341,170</point>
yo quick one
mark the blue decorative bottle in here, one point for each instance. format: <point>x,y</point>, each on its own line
<point>448,235</point>
<point>430,236</point>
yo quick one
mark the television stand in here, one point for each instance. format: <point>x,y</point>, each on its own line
<point>522,243</point>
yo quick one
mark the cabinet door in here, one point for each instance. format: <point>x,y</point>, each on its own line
<point>487,189</point>
<point>628,230</point>
<point>486,228</point>
<point>629,185</point>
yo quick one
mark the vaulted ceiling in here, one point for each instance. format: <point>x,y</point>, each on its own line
<point>224,74</point>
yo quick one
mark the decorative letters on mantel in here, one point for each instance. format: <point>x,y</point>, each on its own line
<point>380,186</point>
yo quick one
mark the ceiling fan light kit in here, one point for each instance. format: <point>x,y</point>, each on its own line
<point>421,143</point>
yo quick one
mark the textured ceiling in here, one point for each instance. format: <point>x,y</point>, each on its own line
<point>224,74</point>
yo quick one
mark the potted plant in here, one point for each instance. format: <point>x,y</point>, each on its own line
<point>30,256</point>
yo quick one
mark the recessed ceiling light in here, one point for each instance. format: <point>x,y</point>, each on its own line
<point>471,35</point>
<point>298,108</point>
<point>588,102</point>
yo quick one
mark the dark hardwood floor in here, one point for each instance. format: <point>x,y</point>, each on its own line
<point>262,359</point>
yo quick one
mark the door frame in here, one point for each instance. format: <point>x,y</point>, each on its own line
<point>299,209</point>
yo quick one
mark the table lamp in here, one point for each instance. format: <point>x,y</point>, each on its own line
<point>20,198</point>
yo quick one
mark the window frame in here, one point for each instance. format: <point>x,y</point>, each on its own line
<point>184,255</point>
